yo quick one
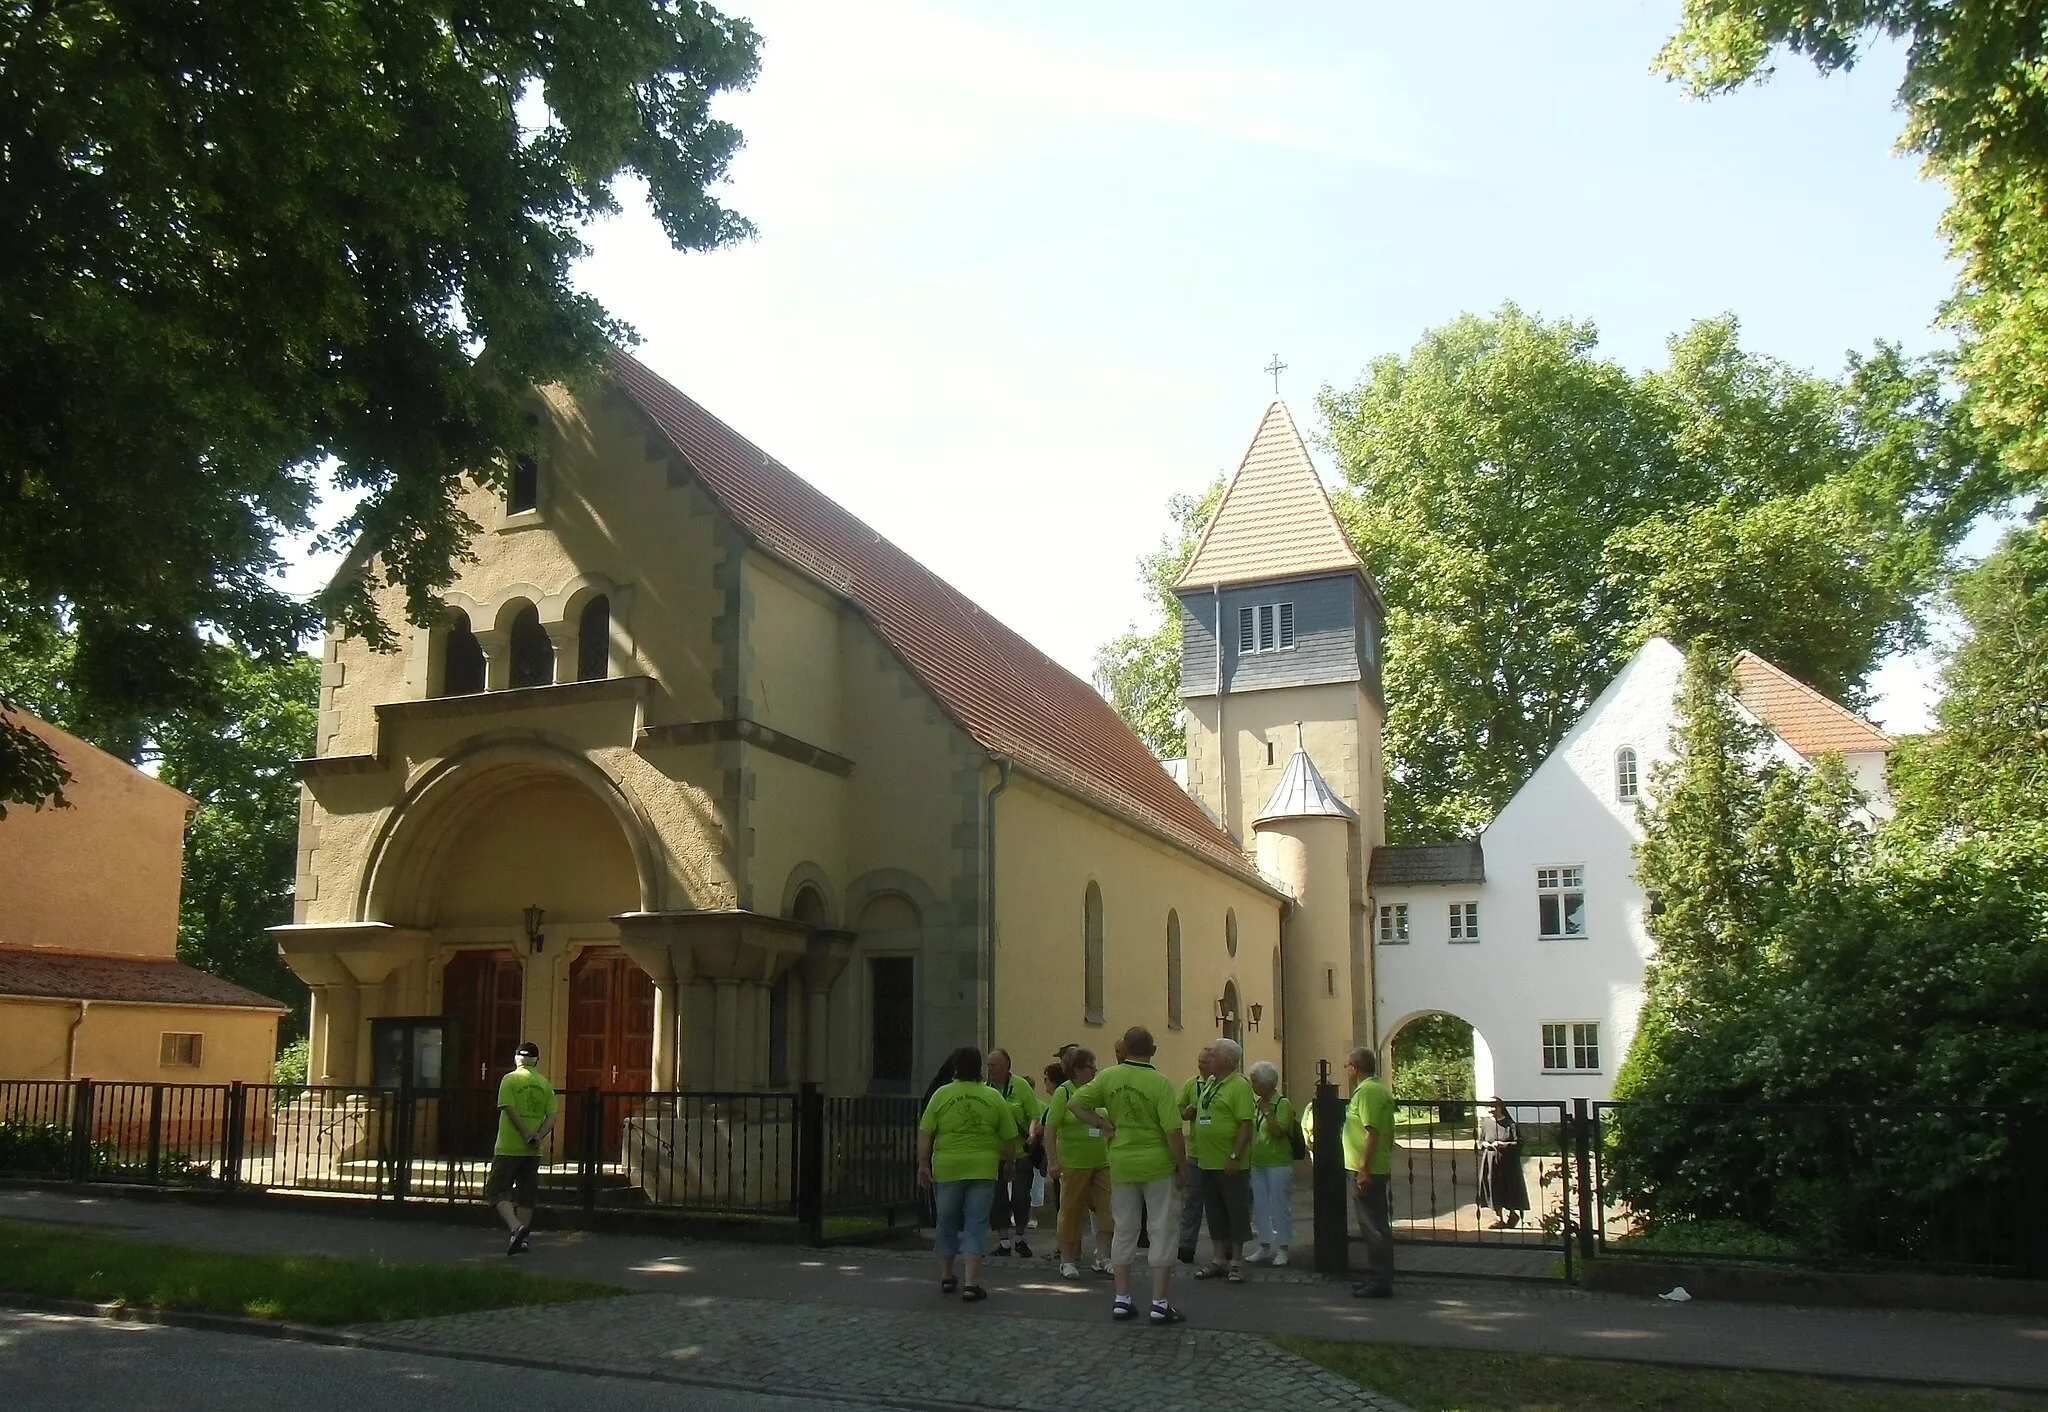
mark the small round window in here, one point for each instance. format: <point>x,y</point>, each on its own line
<point>1230,931</point>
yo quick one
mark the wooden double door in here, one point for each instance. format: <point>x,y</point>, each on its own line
<point>483,998</point>
<point>611,1040</point>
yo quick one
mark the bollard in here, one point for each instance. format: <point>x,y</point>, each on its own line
<point>1332,1184</point>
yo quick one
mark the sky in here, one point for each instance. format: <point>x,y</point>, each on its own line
<point>1019,267</point>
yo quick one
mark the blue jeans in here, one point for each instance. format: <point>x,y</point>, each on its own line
<point>963,1216</point>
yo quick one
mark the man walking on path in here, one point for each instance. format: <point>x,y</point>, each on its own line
<point>526,1116</point>
<point>1369,1156</point>
<point>1133,1105</point>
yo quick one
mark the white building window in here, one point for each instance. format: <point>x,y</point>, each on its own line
<point>1393,924</point>
<point>1269,627</point>
<point>1560,902</point>
<point>179,1051</point>
<point>1571,1047</point>
<point>1464,921</point>
<point>1625,774</point>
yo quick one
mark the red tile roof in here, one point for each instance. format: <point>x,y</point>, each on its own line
<point>78,975</point>
<point>1803,718</point>
<point>1006,694</point>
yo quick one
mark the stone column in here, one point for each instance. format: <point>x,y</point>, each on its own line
<point>757,1044</point>
<point>725,1036</point>
<point>344,1016</point>
<point>562,637</point>
<point>320,1055</point>
<point>497,650</point>
<point>664,1077</point>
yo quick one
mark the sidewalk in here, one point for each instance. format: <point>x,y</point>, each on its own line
<point>871,1321</point>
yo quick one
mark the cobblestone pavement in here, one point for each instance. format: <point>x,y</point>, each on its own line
<point>953,1356</point>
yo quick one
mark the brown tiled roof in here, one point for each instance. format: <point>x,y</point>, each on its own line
<point>1803,718</point>
<point>1010,697</point>
<point>77,975</point>
<point>1415,864</point>
<point>1275,520</point>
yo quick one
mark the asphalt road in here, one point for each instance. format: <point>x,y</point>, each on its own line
<point>56,1364</point>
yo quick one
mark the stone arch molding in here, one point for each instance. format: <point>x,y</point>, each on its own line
<point>439,793</point>
<point>808,874</point>
<point>870,885</point>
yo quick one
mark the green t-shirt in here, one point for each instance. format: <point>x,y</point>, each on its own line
<point>527,1093</point>
<point>1371,1106</point>
<point>1139,1100</point>
<point>1267,1150</point>
<point>971,1126</point>
<point>1023,1103</point>
<point>1219,1109</point>
<point>1075,1143</point>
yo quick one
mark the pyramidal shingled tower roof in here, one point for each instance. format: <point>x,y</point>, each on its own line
<point>1303,793</point>
<point>1276,520</point>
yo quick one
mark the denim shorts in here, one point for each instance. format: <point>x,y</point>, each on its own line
<point>963,1216</point>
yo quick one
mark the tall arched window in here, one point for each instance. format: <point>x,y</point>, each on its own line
<point>1172,969</point>
<point>1625,786</point>
<point>462,659</point>
<point>1091,947</point>
<point>594,640</point>
<point>1233,1027</point>
<point>1230,931</point>
<point>533,654</point>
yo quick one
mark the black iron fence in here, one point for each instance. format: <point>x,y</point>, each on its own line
<point>827,1167</point>
<point>1462,1176</point>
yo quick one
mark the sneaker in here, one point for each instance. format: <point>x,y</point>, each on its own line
<point>1069,1270</point>
<point>1123,1311</point>
<point>1024,1249</point>
<point>517,1245</point>
<point>1261,1256</point>
<point>1002,1248</point>
<point>1279,1258</point>
<point>1372,1292</point>
<point>1164,1313</point>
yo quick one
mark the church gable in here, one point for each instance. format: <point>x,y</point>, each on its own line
<point>1275,521</point>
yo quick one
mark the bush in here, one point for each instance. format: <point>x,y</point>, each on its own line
<point>289,1074</point>
<point>35,1149</point>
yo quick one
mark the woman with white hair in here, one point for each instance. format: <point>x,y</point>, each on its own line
<point>1223,1140</point>
<point>1272,1167</point>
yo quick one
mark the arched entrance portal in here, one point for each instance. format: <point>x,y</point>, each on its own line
<point>1436,1056</point>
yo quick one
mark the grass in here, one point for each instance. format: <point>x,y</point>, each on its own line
<point>1459,1380</point>
<point>71,1262</point>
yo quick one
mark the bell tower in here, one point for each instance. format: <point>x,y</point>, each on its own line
<point>1281,627</point>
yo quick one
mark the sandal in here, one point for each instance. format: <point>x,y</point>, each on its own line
<point>948,1285</point>
<point>1211,1271</point>
<point>1236,1275</point>
<point>973,1294</point>
<point>1166,1314</point>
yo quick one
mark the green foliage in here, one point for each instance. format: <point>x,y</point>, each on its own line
<point>1140,671</point>
<point>59,1262</point>
<point>289,1073</point>
<point>239,240</point>
<point>1975,97</point>
<point>1532,512</point>
<point>1433,1058</point>
<point>34,1149</point>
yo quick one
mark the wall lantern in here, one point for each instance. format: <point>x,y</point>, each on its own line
<point>533,920</point>
<point>1224,1018</point>
<point>1258,1013</point>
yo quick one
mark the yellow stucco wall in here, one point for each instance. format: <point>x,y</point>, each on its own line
<point>102,875</point>
<point>120,1043</point>
<point>1048,849</point>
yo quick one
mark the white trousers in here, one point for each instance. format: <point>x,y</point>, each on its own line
<point>1147,1206</point>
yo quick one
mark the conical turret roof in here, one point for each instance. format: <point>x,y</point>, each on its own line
<point>1276,520</point>
<point>1303,793</point>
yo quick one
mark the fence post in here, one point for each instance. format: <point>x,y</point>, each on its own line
<point>810,1164</point>
<point>401,1176</point>
<point>81,1131</point>
<point>1330,1181</point>
<point>593,1145</point>
<point>156,1134</point>
<point>231,1140</point>
<point>1582,1138</point>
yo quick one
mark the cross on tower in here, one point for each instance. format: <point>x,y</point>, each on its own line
<point>1276,367</point>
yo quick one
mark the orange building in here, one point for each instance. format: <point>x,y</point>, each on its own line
<point>90,981</point>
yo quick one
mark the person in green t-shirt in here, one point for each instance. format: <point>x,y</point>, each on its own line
<point>1013,1184</point>
<point>1193,1202</point>
<point>1369,1157</point>
<point>526,1116</point>
<point>1077,1157</point>
<point>1133,1106</point>
<point>1223,1143</point>
<point>1272,1167</point>
<point>967,1136</point>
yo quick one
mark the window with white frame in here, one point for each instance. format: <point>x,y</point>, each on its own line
<point>1269,627</point>
<point>179,1051</point>
<point>1464,921</point>
<point>1625,786</point>
<point>1393,923</point>
<point>1560,902</point>
<point>1571,1047</point>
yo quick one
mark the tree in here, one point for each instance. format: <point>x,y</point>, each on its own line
<point>1140,671</point>
<point>1975,96</point>
<point>1532,512</point>
<point>239,240</point>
